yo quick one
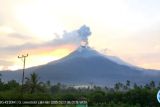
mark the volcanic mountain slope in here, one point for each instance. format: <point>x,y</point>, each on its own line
<point>84,66</point>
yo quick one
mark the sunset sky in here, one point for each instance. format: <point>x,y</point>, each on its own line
<point>128,29</point>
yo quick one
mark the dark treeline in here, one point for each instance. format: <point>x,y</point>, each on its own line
<point>121,95</point>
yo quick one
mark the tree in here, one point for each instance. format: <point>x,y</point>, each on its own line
<point>128,84</point>
<point>119,86</point>
<point>152,85</point>
<point>135,86</point>
<point>56,88</point>
<point>11,84</point>
<point>116,87</point>
<point>1,84</point>
<point>147,86</point>
<point>98,96</point>
<point>0,78</point>
<point>33,85</point>
<point>158,87</point>
<point>48,83</point>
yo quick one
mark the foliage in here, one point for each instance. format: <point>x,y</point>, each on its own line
<point>120,95</point>
<point>33,85</point>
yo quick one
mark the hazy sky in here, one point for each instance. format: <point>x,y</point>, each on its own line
<point>129,29</point>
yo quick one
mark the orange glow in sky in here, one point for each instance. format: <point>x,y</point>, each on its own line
<point>43,55</point>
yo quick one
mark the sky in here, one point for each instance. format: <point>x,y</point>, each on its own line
<point>45,29</point>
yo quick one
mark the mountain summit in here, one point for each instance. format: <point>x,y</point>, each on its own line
<point>85,65</point>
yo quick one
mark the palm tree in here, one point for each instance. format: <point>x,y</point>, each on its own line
<point>32,84</point>
<point>127,85</point>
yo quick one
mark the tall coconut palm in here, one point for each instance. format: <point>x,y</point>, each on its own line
<point>32,84</point>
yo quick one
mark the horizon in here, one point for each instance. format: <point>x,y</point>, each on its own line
<point>47,30</point>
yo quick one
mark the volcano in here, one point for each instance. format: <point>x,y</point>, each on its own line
<point>85,65</point>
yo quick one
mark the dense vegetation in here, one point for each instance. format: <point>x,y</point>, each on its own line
<point>121,95</point>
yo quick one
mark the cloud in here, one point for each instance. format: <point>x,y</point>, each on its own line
<point>5,63</point>
<point>18,36</point>
<point>75,37</point>
<point>151,57</point>
<point>157,48</point>
<point>1,21</point>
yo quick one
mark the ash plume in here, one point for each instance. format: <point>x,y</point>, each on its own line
<point>78,37</point>
<point>84,32</point>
